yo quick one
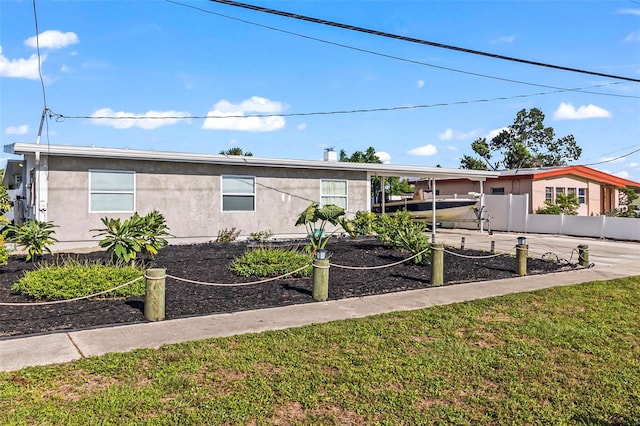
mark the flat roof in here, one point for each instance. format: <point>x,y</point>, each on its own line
<point>237,160</point>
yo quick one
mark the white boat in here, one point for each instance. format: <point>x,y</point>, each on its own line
<point>448,208</point>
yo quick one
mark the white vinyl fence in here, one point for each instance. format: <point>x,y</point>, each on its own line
<point>508,213</point>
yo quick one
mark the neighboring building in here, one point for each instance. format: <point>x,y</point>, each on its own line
<point>199,194</point>
<point>597,191</point>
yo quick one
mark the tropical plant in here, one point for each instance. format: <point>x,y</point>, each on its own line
<point>315,220</point>
<point>227,235</point>
<point>364,223</point>
<point>403,232</point>
<point>124,239</point>
<point>565,204</point>
<point>4,252</point>
<point>260,236</point>
<point>34,236</point>
<point>271,262</point>
<point>73,278</point>
<point>236,151</point>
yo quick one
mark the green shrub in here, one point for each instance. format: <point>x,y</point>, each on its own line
<point>34,236</point>
<point>74,279</point>
<point>403,232</point>
<point>271,262</point>
<point>364,223</point>
<point>227,235</point>
<point>124,239</point>
<point>4,252</point>
<point>260,236</point>
<point>327,214</point>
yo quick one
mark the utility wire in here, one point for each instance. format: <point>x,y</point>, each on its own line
<point>613,159</point>
<point>384,55</point>
<point>44,94</point>
<point>418,41</point>
<point>61,117</point>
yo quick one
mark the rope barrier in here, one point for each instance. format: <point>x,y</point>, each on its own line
<point>490,256</point>
<point>237,284</point>
<point>55,302</point>
<point>379,266</point>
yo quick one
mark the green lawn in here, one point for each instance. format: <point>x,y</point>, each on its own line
<point>566,355</point>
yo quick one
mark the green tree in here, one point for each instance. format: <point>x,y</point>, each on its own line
<point>393,185</point>
<point>565,204</point>
<point>526,143</point>
<point>625,199</point>
<point>5,202</point>
<point>236,151</point>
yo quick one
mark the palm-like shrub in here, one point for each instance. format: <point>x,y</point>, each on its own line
<point>403,232</point>
<point>34,236</point>
<point>125,239</point>
<point>315,220</point>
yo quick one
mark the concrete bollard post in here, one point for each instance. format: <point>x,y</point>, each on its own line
<point>320,291</point>
<point>521,259</point>
<point>437,264</point>
<point>154,302</point>
<point>583,255</point>
<point>462,244</point>
<point>493,247</point>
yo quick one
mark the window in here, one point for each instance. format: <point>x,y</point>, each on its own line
<point>238,193</point>
<point>582,195</point>
<point>333,192</point>
<point>548,194</point>
<point>559,190</point>
<point>571,191</point>
<point>497,191</point>
<point>111,191</point>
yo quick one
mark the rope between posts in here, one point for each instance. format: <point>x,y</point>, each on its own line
<point>473,257</point>
<point>380,266</point>
<point>237,284</point>
<point>55,302</point>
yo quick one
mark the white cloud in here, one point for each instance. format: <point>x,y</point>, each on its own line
<point>451,134</point>
<point>148,120</point>
<point>634,36</point>
<point>17,130</point>
<point>65,69</point>
<point>633,165</point>
<point>504,39</point>
<point>228,116</point>
<point>567,111</point>
<point>20,68</point>
<point>302,126</point>
<point>424,151</point>
<point>385,157</point>
<point>52,39</point>
<point>493,133</point>
<point>629,12</point>
<point>452,148</point>
<point>420,84</point>
<point>623,174</point>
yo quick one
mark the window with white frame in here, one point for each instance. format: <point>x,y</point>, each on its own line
<point>333,191</point>
<point>559,190</point>
<point>238,193</point>
<point>548,194</point>
<point>582,195</point>
<point>112,191</point>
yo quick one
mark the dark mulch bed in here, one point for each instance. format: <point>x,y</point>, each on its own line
<point>209,263</point>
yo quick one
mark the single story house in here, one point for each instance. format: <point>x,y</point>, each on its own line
<point>597,192</point>
<point>199,194</point>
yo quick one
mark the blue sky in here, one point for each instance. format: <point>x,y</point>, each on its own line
<point>157,58</point>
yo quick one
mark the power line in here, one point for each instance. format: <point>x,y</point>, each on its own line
<point>613,159</point>
<point>62,117</point>
<point>44,93</point>
<point>418,41</point>
<point>405,59</point>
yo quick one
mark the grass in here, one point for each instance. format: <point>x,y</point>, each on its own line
<point>565,355</point>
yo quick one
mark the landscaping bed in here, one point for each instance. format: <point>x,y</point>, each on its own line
<point>209,263</point>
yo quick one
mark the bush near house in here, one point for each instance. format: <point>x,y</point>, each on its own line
<point>34,236</point>
<point>137,234</point>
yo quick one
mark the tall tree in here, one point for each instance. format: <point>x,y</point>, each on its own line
<point>236,151</point>
<point>526,143</point>
<point>393,185</point>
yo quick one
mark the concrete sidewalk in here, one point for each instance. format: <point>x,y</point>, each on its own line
<point>61,347</point>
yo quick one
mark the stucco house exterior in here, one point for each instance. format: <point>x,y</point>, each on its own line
<point>199,194</point>
<point>597,192</point>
